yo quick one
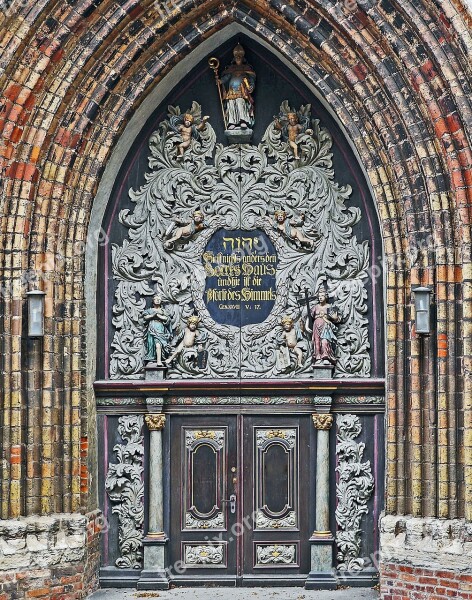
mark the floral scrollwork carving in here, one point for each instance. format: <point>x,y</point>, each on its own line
<point>322,422</point>
<point>354,489</point>
<point>125,488</point>
<point>155,422</point>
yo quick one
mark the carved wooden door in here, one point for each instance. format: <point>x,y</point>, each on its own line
<point>203,498</point>
<point>240,499</point>
<point>277,494</point>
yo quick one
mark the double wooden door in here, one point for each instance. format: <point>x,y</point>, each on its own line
<point>241,508</point>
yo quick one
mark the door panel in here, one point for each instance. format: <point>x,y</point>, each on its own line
<point>203,451</point>
<point>246,519</point>
<point>278,493</point>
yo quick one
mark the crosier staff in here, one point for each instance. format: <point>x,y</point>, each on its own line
<point>214,65</point>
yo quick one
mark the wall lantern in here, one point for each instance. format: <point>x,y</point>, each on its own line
<point>422,310</point>
<point>35,313</point>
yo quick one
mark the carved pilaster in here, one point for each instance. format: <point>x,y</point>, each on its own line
<point>320,576</point>
<point>322,422</point>
<point>155,422</point>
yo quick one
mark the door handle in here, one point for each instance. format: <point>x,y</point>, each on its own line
<point>232,503</point>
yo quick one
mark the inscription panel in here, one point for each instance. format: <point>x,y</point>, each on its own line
<point>240,286</point>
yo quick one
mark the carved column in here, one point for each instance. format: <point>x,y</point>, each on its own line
<point>153,575</point>
<point>322,424</point>
<point>156,424</point>
<point>321,574</point>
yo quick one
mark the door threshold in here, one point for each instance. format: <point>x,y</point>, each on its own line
<point>273,580</point>
<point>208,581</point>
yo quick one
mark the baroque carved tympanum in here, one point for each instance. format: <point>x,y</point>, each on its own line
<point>219,230</point>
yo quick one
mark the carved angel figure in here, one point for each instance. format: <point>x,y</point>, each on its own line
<point>289,228</point>
<point>290,338</point>
<point>188,337</point>
<point>184,229</point>
<point>325,316</point>
<point>292,124</point>
<point>188,126</point>
<point>159,332</point>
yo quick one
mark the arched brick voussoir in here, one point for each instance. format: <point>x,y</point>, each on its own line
<point>418,122</point>
<point>97,104</point>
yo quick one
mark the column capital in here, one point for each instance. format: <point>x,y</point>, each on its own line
<point>155,422</point>
<point>322,422</point>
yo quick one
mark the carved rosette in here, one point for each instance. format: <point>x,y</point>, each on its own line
<point>322,422</point>
<point>240,187</point>
<point>125,488</point>
<point>155,422</point>
<point>353,490</point>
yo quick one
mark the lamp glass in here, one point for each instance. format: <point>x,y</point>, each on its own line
<point>422,300</point>
<point>35,314</point>
<point>422,321</point>
<point>422,310</point>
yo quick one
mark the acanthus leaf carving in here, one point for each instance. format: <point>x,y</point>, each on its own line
<point>125,489</point>
<point>318,246</point>
<point>353,490</point>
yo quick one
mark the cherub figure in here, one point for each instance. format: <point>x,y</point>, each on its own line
<point>289,229</point>
<point>186,126</point>
<point>292,124</point>
<point>188,338</point>
<point>184,229</point>
<point>294,129</point>
<point>291,336</point>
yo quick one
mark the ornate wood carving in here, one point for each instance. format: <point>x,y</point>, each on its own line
<point>284,554</point>
<point>155,422</point>
<point>353,490</point>
<point>203,555</point>
<point>322,421</point>
<point>285,515</point>
<point>313,241</point>
<point>124,486</point>
<point>213,440</point>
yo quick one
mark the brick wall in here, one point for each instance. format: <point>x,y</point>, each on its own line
<point>49,557</point>
<point>425,558</point>
<point>400,582</point>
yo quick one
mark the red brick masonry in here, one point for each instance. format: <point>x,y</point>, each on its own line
<point>399,582</point>
<point>71,567</point>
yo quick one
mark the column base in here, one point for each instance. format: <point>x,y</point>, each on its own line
<point>321,581</point>
<point>154,575</point>
<point>322,575</point>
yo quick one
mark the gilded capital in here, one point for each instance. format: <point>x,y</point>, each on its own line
<point>322,421</point>
<point>155,422</point>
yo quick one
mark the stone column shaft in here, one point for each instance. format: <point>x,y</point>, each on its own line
<point>155,423</point>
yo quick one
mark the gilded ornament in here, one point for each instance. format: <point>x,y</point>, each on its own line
<point>155,422</point>
<point>322,421</point>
